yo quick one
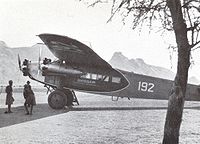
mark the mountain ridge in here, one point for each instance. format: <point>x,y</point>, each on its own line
<point>10,70</point>
<point>138,66</point>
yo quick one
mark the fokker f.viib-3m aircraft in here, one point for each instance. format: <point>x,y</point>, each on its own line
<point>79,68</point>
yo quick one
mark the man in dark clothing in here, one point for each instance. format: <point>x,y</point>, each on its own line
<point>29,98</point>
<point>28,84</point>
<point>9,96</point>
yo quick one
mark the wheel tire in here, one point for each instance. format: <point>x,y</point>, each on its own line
<point>57,99</point>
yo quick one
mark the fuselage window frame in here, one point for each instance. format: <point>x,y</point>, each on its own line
<point>96,77</point>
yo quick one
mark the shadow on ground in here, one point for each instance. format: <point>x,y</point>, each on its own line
<point>18,116</point>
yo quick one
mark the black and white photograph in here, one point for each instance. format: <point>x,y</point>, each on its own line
<point>99,72</point>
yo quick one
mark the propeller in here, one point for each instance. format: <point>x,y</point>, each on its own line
<point>19,63</point>
<point>39,60</point>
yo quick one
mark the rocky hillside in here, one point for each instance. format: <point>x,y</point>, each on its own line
<point>9,63</point>
<point>138,65</point>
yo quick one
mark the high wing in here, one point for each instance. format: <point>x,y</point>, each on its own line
<point>71,50</point>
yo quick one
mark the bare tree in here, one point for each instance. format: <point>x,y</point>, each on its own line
<point>179,16</point>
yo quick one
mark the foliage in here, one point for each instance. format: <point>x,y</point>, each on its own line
<point>183,18</point>
<point>156,14</point>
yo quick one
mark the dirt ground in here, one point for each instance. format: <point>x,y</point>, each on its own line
<point>96,120</point>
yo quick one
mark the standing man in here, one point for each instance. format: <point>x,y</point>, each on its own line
<point>29,98</point>
<point>9,96</point>
<point>28,84</point>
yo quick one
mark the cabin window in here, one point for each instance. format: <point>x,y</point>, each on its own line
<point>94,76</point>
<point>99,77</point>
<point>87,76</point>
<point>116,79</point>
<point>106,78</point>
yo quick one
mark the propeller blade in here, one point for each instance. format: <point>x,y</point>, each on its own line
<point>19,62</point>
<point>39,59</point>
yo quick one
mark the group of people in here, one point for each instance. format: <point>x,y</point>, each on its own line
<point>28,96</point>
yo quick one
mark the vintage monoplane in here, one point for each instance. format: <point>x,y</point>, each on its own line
<point>79,68</point>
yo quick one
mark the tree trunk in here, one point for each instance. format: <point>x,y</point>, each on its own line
<point>177,97</point>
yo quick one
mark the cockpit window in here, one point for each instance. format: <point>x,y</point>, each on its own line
<point>116,79</point>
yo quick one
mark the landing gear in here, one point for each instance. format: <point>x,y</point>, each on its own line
<point>57,99</point>
<point>69,96</point>
<point>60,98</point>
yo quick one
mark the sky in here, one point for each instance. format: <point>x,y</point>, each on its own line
<point>22,20</point>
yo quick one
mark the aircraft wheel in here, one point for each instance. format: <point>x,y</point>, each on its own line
<point>57,99</point>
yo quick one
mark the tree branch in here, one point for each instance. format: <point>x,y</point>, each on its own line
<point>193,45</point>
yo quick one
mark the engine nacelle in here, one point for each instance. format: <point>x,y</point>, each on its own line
<point>55,69</point>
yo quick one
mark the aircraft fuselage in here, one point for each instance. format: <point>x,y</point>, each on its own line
<point>148,87</point>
